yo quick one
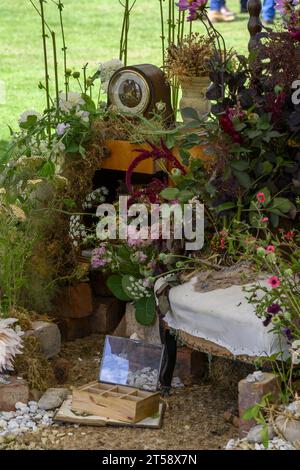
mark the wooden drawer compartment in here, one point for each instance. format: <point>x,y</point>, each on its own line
<point>124,403</point>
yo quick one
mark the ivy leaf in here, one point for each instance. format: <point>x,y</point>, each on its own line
<point>114,283</point>
<point>145,310</point>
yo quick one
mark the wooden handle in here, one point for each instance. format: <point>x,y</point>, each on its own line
<point>254,23</point>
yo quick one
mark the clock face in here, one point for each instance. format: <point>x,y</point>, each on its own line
<point>129,92</point>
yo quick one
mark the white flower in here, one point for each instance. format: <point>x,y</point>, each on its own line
<point>107,69</point>
<point>83,115</point>
<point>296,357</point>
<point>31,112</point>
<point>296,344</point>
<point>74,100</point>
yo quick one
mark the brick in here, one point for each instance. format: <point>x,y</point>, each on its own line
<point>108,312</point>
<point>75,301</point>
<point>98,284</point>
<point>10,394</point>
<point>191,366</point>
<point>128,326</point>
<point>251,393</point>
<point>48,335</point>
<point>74,328</point>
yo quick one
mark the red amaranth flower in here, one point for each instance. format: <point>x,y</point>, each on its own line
<point>275,105</point>
<point>156,153</point>
<point>228,127</point>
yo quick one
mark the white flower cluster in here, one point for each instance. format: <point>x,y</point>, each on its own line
<point>107,69</point>
<point>295,352</point>
<point>96,197</point>
<point>73,102</point>
<point>77,230</point>
<point>30,113</point>
<point>137,289</point>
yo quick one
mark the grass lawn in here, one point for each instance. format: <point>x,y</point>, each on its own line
<point>92,33</point>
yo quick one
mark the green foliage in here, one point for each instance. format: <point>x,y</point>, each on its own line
<point>257,412</point>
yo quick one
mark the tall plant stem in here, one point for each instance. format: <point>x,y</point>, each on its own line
<point>55,71</point>
<point>44,36</point>
<point>123,55</point>
<point>64,48</point>
<point>162,31</point>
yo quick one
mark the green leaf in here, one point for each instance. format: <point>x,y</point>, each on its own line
<point>282,204</point>
<point>114,283</point>
<point>243,178</point>
<point>251,413</point>
<point>170,193</point>
<point>47,170</point>
<point>265,436</point>
<point>240,165</point>
<point>252,134</point>
<point>185,195</point>
<point>185,156</point>
<point>226,206</point>
<point>145,310</point>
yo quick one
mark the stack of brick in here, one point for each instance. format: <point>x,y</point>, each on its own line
<point>81,312</point>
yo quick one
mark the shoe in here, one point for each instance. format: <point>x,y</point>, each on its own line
<point>226,12</point>
<point>218,17</point>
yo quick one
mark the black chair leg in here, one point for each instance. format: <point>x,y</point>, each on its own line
<point>169,359</point>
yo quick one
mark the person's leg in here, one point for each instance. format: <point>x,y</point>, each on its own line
<point>215,5</point>
<point>244,8</point>
<point>219,12</point>
<point>268,11</point>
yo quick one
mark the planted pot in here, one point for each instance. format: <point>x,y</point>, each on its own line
<point>194,96</point>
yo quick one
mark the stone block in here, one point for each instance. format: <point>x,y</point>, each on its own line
<point>251,393</point>
<point>191,366</point>
<point>48,335</point>
<point>108,312</point>
<point>75,301</point>
<point>16,390</point>
<point>129,326</point>
<point>74,328</point>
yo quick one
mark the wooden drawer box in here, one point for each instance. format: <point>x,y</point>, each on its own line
<point>119,402</point>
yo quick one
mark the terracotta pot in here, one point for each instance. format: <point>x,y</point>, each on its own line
<point>194,96</point>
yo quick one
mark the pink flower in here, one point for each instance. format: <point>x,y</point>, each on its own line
<point>261,197</point>
<point>274,282</point>
<point>270,249</point>
<point>265,219</point>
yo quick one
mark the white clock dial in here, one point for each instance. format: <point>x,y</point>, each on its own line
<point>129,92</point>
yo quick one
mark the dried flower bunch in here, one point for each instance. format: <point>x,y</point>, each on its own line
<point>191,58</point>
